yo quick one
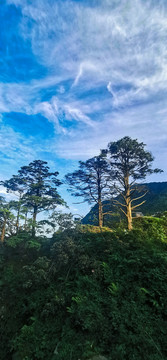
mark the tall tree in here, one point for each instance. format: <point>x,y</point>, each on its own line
<point>15,186</point>
<point>129,162</point>
<point>6,218</point>
<point>24,213</point>
<point>92,182</point>
<point>40,188</point>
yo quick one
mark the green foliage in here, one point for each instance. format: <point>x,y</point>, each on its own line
<point>37,189</point>
<point>129,158</point>
<point>22,240</point>
<point>152,228</point>
<point>84,293</point>
<point>88,290</point>
<point>93,229</point>
<point>64,221</point>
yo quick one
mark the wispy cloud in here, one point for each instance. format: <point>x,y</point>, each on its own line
<point>102,72</point>
<point>122,44</point>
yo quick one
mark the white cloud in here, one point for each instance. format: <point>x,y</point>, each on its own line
<point>123,43</point>
<point>116,49</point>
<point>2,190</point>
<point>76,114</point>
<point>84,67</point>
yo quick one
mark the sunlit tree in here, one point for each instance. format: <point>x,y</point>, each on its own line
<point>129,162</point>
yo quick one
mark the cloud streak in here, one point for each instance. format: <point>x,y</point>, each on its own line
<point>102,72</point>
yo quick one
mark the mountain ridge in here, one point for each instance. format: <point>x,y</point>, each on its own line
<point>155,202</point>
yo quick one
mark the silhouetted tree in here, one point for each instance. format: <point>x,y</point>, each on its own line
<point>92,182</point>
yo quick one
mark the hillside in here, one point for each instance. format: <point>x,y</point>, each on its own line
<point>85,295</point>
<point>156,201</point>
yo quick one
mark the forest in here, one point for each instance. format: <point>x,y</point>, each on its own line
<point>73,289</point>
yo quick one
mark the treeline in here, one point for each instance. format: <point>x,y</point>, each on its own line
<point>113,173</point>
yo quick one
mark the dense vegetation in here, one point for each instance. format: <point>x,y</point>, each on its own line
<point>85,292</point>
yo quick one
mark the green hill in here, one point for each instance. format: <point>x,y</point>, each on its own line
<point>156,202</point>
<point>85,295</point>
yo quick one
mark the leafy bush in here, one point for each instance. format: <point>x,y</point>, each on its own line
<point>85,293</point>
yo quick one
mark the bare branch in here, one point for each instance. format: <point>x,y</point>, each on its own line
<point>108,213</point>
<point>117,202</point>
<point>134,207</point>
<point>139,197</point>
<point>120,192</point>
<point>81,202</point>
<point>92,195</point>
<point>123,212</point>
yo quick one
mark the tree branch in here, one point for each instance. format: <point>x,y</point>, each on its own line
<point>117,202</point>
<point>134,207</point>
<point>108,213</point>
<point>139,197</point>
<point>123,212</point>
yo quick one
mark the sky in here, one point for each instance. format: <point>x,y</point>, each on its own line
<point>78,74</point>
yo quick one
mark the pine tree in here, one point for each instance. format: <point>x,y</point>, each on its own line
<point>6,218</point>
<point>129,162</point>
<point>15,186</point>
<point>40,188</point>
<point>92,182</point>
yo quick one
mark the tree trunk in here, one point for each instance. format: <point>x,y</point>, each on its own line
<point>34,221</point>
<point>128,203</point>
<point>17,220</point>
<point>100,215</point>
<point>129,216</point>
<point>100,206</point>
<point>25,222</point>
<point>3,230</point>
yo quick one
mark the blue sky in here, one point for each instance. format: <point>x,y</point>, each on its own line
<point>76,75</point>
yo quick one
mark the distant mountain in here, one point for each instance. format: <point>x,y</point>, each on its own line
<point>156,201</point>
